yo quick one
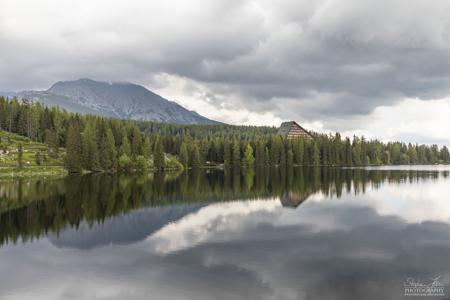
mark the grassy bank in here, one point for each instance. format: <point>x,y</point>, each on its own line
<point>36,157</point>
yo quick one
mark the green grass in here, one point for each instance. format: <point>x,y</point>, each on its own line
<point>50,165</point>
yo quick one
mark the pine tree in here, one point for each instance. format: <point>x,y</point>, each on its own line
<point>125,148</point>
<point>259,153</point>
<point>356,152</point>
<point>282,156</point>
<point>249,160</point>
<point>348,153</point>
<point>184,155</point>
<point>227,154</point>
<point>276,145</point>
<point>299,151</point>
<point>109,151</point>
<point>73,148</point>
<point>159,161</point>
<point>316,155</point>
<point>136,142</point>
<point>146,148</point>
<point>90,149</point>
<point>412,153</point>
<point>445,155</point>
<point>236,154</point>
<point>290,158</point>
<point>194,157</point>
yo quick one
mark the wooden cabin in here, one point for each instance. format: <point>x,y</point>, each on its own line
<point>292,130</point>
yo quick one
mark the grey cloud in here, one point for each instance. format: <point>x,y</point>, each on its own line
<point>355,54</point>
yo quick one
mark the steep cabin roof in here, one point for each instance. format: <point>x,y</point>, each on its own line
<point>292,199</point>
<point>292,129</point>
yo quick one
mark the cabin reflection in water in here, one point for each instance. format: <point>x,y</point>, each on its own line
<point>293,199</point>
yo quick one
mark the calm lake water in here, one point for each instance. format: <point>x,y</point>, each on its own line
<point>269,234</point>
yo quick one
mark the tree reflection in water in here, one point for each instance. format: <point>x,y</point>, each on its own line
<point>30,209</point>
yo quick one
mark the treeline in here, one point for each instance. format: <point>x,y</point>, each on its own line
<point>91,143</point>
<point>107,144</point>
<point>272,150</point>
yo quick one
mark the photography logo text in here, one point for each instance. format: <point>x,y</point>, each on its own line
<point>431,287</point>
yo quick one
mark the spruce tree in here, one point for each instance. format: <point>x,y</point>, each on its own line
<point>226,154</point>
<point>236,154</point>
<point>125,148</point>
<point>316,155</point>
<point>282,156</point>
<point>111,151</point>
<point>159,161</point>
<point>194,158</point>
<point>290,158</point>
<point>259,153</point>
<point>90,149</point>
<point>249,160</point>
<point>73,149</point>
<point>146,148</point>
<point>184,155</point>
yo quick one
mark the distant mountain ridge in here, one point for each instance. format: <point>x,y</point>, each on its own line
<point>114,99</point>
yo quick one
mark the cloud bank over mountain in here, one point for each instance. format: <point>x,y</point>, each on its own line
<point>330,64</point>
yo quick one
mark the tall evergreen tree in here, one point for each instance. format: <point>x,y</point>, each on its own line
<point>227,154</point>
<point>90,147</point>
<point>125,148</point>
<point>108,153</point>
<point>282,156</point>
<point>236,154</point>
<point>248,160</point>
<point>159,161</point>
<point>290,158</point>
<point>73,149</point>
<point>146,148</point>
<point>184,155</point>
<point>316,155</point>
<point>194,157</point>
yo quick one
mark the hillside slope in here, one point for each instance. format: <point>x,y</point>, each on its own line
<point>36,158</point>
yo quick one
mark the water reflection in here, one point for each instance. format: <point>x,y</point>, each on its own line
<point>32,208</point>
<point>298,234</point>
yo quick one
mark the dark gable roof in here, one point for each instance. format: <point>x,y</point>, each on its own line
<point>285,127</point>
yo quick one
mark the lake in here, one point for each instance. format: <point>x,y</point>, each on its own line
<point>266,234</point>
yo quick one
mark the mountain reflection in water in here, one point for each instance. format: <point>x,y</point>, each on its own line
<point>269,234</point>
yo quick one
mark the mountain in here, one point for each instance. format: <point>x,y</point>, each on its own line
<point>119,100</point>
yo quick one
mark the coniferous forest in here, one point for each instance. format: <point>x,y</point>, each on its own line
<point>95,143</point>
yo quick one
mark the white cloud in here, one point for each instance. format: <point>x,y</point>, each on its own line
<point>411,120</point>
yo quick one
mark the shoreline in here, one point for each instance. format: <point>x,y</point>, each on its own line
<point>61,171</point>
<point>35,171</point>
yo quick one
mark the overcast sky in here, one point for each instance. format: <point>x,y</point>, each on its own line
<point>379,68</point>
